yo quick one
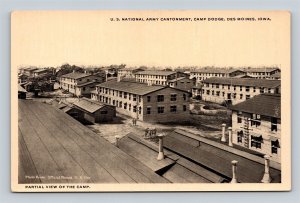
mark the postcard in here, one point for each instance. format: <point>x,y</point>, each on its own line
<point>139,101</point>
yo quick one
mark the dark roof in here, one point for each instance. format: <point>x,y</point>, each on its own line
<point>216,70</point>
<point>217,159</point>
<point>89,105</point>
<point>131,87</point>
<point>276,75</point>
<point>180,78</point>
<point>244,82</point>
<point>52,142</point>
<point>175,168</point>
<point>156,72</point>
<point>263,104</point>
<point>261,70</point>
<point>40,70</point>
<point>88,84</point>
<point>75,75</point>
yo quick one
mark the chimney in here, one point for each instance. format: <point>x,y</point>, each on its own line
<point>223,139</point>
<point>230,137</point>
<point>161,155</point>
<point>234,167</point>
<point>267,178</point>
<point>117,140</point>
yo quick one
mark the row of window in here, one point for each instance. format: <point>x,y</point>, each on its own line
<point>151,76</point>
<point>255,121</point>
<point>125,95</point>
<point>235,87</point>
<point>209,74</point>
<point>161,109</point>
<point>257,141</point>
<point>229,95</point>
<point>156,82</point>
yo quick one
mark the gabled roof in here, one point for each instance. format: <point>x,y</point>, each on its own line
<point>260,70</point>
<point>21,89</point>
<point>263,104</point>
<point>40,70</point>
<point>217,157</point>
<point>253,82</point>
<point>131,87</point>
<point>89,105</point>
<point>156,72</point>
<point>52,142</point>
<point>75,75</point>
<point>216,70</point>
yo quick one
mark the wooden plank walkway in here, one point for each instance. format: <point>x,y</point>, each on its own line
<point>60,146</point>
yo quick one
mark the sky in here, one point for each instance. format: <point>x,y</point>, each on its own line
<point>52,38</point>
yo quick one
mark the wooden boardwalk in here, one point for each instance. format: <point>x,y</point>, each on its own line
<point>55,148</point>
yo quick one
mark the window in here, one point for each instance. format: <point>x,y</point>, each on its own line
<point>173,97</point>
<point>241,88</point>
<point>223,86</point>
<point>140,110</point>
<point>254,89</point>
<point>261,90</point>
<point>234,87</point>
<point>273,124</point>
<point>125,95</point>
<point>239,117</point>
<point>274,146</point>
<point>247,97</point>
<point>160,109</point>
<point>173,109</point>
<point>184,97</point>
<point>184,107</point>
<point>255,120</point>
<point>134,108</point>
<point>148,110</point>
<point>160,98</point>
<point>218,93</point>
<point>120,94</point>
<point>269,90</point>
<point>212,92</point>
<point>103,112</point>
<point>207,84</point>
<point>83,88</point>
<point>234,95</point>
<point>256,141</point>
<point>223,94</point>
<point>241,96</point>
<point>217,85</point>
<point>134,97</point>
<point>207,92</point>
<point>240,135</point>
<point>129,107</point>
<point>120,104</point>
<point>229,87</point>
<point>247,88</point>
<point>125,105</point>
<point>148,98</point>
<point>140,98</point>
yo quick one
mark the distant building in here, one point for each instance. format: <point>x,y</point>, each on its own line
<point>21,92</point>
<point>80,84</point>
<point>128,72</point>
<point>197,91</point>
<point>158,77</point>
<point>276,76</point>
<point>236,90</point>
<point>205,73</point>
<point>182,83</point>
<point>92,111</point>
<point>41,72</point>
<point>256,124</point>
<point>261,73</point>
<point>150,103</point>
<point>29,71</point>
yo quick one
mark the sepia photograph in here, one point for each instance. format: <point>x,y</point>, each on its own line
<point>150,101</point>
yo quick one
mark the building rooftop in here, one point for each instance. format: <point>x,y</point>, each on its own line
<point>156,72</point>
<point>175,168</point>
<point>276,75</point>
<point>217,158</point>
<point>263,104</point>
<point>21,89</point>
<point>261,70</point>
<point>89,105</point>
<point>40,70</point>
<point>88,84</point>
<point>53,143</point>
<point>131,87</point>
<point>75,75</point>
<point>180,78</point>
<point>215,70</point>
<point>244,82</point>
